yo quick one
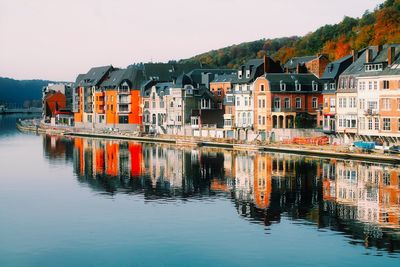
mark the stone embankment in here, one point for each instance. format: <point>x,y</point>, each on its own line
<point>326,151</point>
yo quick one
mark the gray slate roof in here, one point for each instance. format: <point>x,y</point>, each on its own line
<point>95,76</point>
<point>335,68</point>
<point>292,63</point>
<point>305,79</point>
<point>225,78</point>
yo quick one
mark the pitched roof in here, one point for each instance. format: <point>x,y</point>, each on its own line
<point>224,78</point>
<point>292,63</point>
<point>305,79</point>
<point>78,80</point>
<point>95,76</point>
<point>335,68</point>
<point>133,76</point>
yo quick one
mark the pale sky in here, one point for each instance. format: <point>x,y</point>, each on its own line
<point>58,39</point>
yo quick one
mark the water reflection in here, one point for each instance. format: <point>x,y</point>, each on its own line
<point>358,199</point>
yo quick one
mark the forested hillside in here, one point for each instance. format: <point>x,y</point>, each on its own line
<point>15,92</point>
<point>373,28</point>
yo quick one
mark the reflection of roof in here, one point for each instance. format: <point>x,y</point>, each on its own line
<point>304,79</point>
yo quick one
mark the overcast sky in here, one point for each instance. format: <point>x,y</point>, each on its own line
<point>57,39</point>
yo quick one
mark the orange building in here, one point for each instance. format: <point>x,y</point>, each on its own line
<point>220,86</point>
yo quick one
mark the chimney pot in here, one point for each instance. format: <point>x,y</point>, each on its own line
<point>391,54</point>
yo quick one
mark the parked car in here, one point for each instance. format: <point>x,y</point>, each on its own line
<point>394,149</point>
<point>381,146</point>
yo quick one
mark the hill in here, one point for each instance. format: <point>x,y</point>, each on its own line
<point>377,27</point>
<point>18,92</point>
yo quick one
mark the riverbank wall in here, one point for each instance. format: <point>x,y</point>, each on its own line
<point>341,152</point>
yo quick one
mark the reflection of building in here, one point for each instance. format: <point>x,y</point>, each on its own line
<point>355,198</point>
<point>364,192</point>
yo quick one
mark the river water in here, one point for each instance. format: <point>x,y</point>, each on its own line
<point>90,202</point>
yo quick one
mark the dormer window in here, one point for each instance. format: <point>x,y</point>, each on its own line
<point>325,86</point>
<point>333,86</point>
<point>314,86</point>
<point>297,86</point>
<point>240,74</point>
<point>247,74</point>
<point>373,67</point>
<point>282,86</point>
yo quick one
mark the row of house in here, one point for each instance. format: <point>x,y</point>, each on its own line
<point>357,96</point>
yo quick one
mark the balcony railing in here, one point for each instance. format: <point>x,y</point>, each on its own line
<point>371,112</point>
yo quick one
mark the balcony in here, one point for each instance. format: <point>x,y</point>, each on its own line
<point>123,108</point>
<point>371,112</point>
<point>124,91</point>
<point>124,100</point>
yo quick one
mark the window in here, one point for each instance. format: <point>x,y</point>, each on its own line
<point>361,86</point>
<point>287,102</point>
<point>246,101</point>
<point>386,124</point>
<point>333,86</point>
<point>314,86</point>
<point>277,102</point>
<point>369,85</point>
<point>195,121</point>
<point>362,123</point>
<point>385,84</point>
<point>146,104</point>
<point>333,102</point>
<point>153,104</point>
<point>352,103</point>
<point>263,103</point>
<point>282,86</point>
<point>369,123</point>
<point>314,102</point>
<point>263,120</point>
<point>298,102</point>
<point>376,124</point>
<point>344,102</point>
<point>240,74</point>
<point>259,119</point>
<point>179,118</point>
<point>219,92</point>
<point>247,73</point>
<point>262,87</point>
<point>375,85</point>
<point>123,119</point>
<point>297,85</point>
<point>386,103</point>
<point>237,101</point>
<point>325,86</point>
<point>161,103</point>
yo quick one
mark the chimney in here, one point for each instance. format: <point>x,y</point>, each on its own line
<point>354,54</point>
<point>267,67</point>
<point>368,55</point>
<point>391,54</point>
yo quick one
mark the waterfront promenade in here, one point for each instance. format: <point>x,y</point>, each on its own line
<point>328,151</point>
